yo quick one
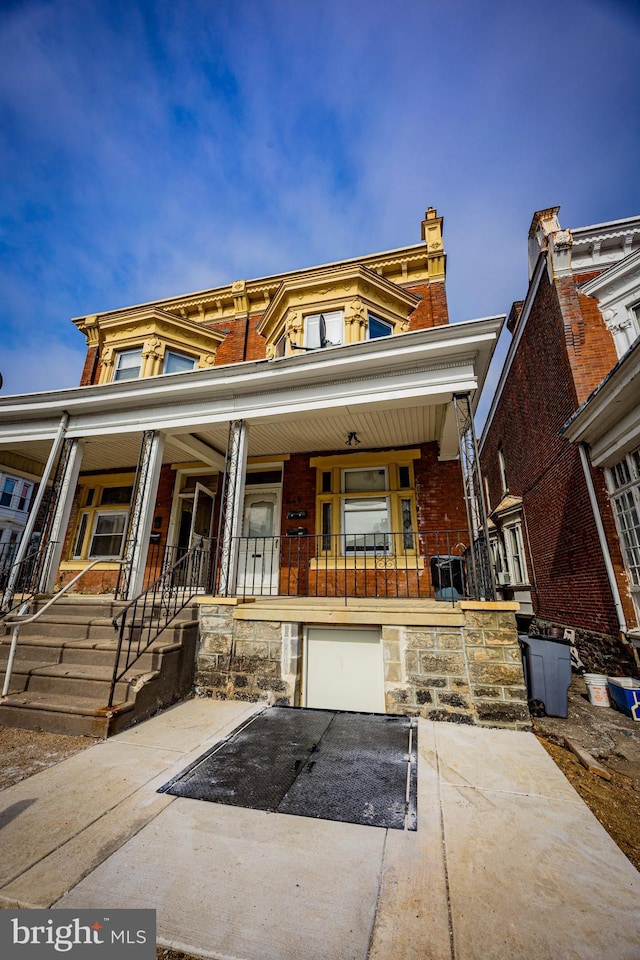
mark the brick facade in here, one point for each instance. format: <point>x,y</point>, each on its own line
<point>432,310</point>
<point>564,352</point>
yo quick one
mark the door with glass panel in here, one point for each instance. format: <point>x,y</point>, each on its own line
<point>259,551</point>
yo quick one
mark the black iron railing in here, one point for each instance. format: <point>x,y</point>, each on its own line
<point>425,563</point>
<point>152,611</point>
<point>21,581</point>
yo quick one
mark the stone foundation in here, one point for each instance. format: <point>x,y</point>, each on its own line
<point>600,652</point>
<point>459,664</point>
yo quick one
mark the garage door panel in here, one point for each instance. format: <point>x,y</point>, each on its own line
<point>344,669</point>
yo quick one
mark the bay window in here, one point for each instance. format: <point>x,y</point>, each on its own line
<point>378,328</point>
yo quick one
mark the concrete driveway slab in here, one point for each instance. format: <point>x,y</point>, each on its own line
<point>499,760</point>
<point>531,876</point>
<point>412,920</point>
<point>507,861</point>
<point>42,813</point>
<point>247,884</point>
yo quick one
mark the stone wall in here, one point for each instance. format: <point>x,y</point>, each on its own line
<point>464,667</point>
<point>247,659</point>
<point>467,673</point>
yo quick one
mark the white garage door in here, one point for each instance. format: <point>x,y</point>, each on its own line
<point>344,669</point>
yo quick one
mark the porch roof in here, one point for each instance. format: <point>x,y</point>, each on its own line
<point>392,391</point>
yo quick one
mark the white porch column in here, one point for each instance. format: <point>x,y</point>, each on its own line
<point>142,509</point>
<point>232,507</point>
<point>61,514</point>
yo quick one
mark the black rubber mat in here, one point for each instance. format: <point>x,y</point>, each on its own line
<point>333,765</point>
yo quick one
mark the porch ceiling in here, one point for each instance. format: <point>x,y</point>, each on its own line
<point>294,434</point>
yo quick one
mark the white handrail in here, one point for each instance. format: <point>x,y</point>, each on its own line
<point>19,619</point>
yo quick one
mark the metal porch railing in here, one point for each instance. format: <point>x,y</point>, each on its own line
<point>21,581</point>
<point>151,612</point>
<point>421,564</point>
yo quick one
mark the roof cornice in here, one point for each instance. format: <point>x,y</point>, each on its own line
<point>466,345</point>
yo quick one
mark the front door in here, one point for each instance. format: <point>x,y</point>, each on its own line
<point>259,553</point>
<point>202,516</point>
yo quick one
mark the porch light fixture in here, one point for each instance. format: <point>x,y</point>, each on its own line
<point>353,440</point>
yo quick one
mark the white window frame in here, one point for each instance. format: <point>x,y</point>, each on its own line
<point>623,480</point>
<point>503,470</point>
<point>333,319</point>
<point>118,366</point>
<point>96,519</point>
<point>182,356</point>
<point>376,542</point>
<point>385,323</point>
<point>514,531</point>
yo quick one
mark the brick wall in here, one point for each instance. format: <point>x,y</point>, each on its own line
<point>432,311</point>
<point>439,491</point>
<point>242,342</point>
<point>90,371</point>
<point>590,347</point>
<point>566,569</point>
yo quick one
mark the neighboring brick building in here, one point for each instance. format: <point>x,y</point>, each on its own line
<point>555,542</point>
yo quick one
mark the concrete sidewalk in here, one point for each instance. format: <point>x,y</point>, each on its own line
<point>507,860</point>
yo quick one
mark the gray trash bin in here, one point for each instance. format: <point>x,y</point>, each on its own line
<point>547,673</point>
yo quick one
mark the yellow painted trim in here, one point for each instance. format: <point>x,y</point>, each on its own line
<point>105,479</point>
<point>507,605</point>
<point>366,459</point>
<point>416,563</point>
<point>280,458</point>
<point>83,564</point>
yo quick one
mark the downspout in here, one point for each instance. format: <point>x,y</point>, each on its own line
<point>37,503</point>
<point>604,546</point>
<point>246,337</point>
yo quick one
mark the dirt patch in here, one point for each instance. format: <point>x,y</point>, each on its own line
<point>25,752</point>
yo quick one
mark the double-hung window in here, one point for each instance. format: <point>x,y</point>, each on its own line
<point>366,510</point>
<point>8,489</point>
<point>366,520</point>
<point>102,523</point>
<point>514,547</point>
<point>128,364</point>
<point>624,486</point>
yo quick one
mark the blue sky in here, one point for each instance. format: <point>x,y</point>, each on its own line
<point>154,148</point>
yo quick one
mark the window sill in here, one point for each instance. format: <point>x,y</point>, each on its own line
<point>378,562</point>
<point>80,564</point>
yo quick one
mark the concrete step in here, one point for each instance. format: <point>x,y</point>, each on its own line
<point>42,650</point>
<point>65,666</point>
<point>60,714</point>
<point>81,681</point>
<point>68,627</point>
